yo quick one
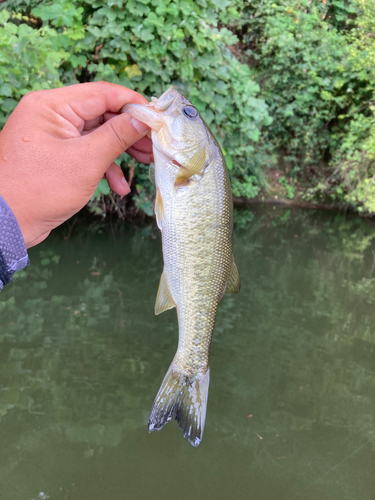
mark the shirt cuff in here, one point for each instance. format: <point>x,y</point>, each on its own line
<point>13,253</point>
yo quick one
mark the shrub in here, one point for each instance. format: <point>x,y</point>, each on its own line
<point>279,82</point>
<point>314,62</point>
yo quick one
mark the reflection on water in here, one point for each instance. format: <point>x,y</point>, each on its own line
<point>291,410</point>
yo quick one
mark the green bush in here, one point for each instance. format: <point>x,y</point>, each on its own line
<point>28,61</point>
<point>280,83</point>
<point>357,148</point>
<point>31,55</point>
<point>314,62</point>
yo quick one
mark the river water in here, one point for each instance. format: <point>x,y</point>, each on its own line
<point>291,410</point>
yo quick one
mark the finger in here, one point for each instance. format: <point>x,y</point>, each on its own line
<point>99,120</point>
<point>108,142</point>
<point>108,115</point>
<point>85,132</point>
<point>91,124</point>
<point>89,100</point>
<point>116,180</point>
<point>139,155</point>
<point>86,101</point>
<point>144,145</point>
<point>94,124</point>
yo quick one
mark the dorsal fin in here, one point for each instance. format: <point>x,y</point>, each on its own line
<point>195,165</point>
<point>163,299</point>
<point>234,282</point>
<point>159,209</point>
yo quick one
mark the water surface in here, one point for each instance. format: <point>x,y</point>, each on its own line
<point>291,411</point>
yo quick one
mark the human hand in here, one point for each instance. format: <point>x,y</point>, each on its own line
<point>57,145</point>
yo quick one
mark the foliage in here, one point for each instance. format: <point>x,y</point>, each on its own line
<point>30,57</point>
<point>28,61</point>
<point>314,63</point>
<point>357,149</point>
<point>242,218</point>
<point>289,189</point>
<point>280,83</point>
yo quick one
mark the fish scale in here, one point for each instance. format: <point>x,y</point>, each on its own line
<point>194,211</point>
<point>206,266</point>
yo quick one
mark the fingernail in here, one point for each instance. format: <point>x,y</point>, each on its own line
<point>124,181</point>
<point>140,127</point>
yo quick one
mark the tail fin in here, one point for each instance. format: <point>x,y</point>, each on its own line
<point>186,399</point>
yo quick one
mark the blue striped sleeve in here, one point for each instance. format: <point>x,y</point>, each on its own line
<point>13,253</point>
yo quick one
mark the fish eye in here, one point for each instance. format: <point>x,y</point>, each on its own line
<point>190,112</point>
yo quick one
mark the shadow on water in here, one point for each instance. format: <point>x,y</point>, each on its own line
<point>291,410</point>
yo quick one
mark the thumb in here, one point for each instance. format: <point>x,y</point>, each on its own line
<point>110,140</point>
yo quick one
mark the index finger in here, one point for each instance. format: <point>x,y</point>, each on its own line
<point>86,101</point>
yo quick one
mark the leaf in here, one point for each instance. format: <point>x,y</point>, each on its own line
<point>104,187</point>
<point>153,20</point>
<point>229,162</point>
<point>4,16</point>
<point>133,71</point>
<point>6,89</point>
<point>19,47</point>
<point>145,34</point>
<point>77,60</point>
<point>8,105</point>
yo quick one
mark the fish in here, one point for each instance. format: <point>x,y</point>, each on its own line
<point>194,212</point>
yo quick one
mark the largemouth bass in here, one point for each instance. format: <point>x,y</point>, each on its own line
<point>194,212</point>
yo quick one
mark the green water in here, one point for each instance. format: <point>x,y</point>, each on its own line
<point>291,411</point>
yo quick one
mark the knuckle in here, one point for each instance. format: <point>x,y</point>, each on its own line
<point>30,97</point>
<point>34,97</point>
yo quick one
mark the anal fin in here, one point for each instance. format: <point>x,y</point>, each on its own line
<point>234,282</point>
<point>164,299</point>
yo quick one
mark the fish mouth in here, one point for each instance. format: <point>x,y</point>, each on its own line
<point>166,99</point>
<point>144,113</point>
<point>150,114</point>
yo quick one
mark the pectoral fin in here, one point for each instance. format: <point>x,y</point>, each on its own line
<point>163,299</point>
<point>159,209</point>
<point>234,282</point>
<point>194,166</point>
